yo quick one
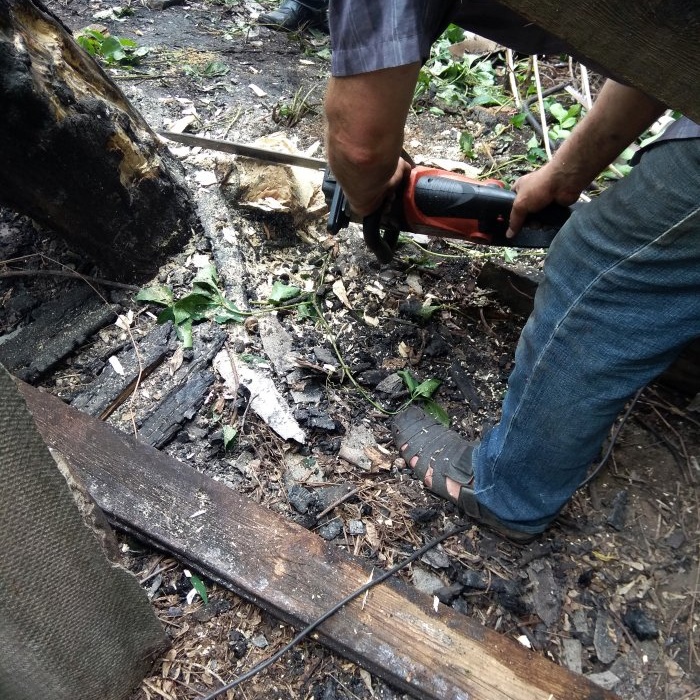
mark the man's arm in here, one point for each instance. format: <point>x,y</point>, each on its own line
<point>620,114</point>
<point>365,119</point>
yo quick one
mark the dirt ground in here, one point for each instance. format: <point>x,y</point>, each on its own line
<point>620,566</point>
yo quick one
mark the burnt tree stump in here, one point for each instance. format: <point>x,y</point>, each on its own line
<point>77,157</point>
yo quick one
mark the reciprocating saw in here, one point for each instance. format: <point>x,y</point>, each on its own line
<point>432,201</point>
<point>448,205</point>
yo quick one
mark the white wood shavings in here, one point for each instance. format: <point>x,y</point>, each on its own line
<point>116,365</point>
<point>259,92</point>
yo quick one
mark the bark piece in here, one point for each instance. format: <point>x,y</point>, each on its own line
<point>106,393</point>
<point>179,405</point>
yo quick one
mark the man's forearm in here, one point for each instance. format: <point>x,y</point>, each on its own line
<point>620,114</point>
<point>618,117</point>
<point>365,117</point>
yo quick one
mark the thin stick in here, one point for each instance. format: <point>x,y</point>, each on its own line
<point>540,102</point>
<point>337,502</point>
<point>68,273</point>
<point>586,86</point>
<point>511,77</point>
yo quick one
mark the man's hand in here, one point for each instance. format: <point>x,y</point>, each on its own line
<point>619,115</point>
<point>535,191</point>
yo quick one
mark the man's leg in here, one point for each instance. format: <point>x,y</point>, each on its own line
<point>620,299</point>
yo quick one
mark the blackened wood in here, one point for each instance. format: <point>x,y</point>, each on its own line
<point>515,287</point>
<point>110,389</point>
<point>77,157</point>
<point>296,575</point>
<point>56,329</point>
<point>178,406</point>
<point>652,45</point>
<point>192,382</point>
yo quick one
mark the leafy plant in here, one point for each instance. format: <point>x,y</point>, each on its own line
<point>282,293</point>
<point>199,586</point>
<point>205,301</point>
<point>566,119</point>
<point>229,434</point>
<point>535,153</point>
<point>458,81</point>
<point>112,49</point>
<point>424,391</point>
<point>290,114</point>
<point>466,144</point>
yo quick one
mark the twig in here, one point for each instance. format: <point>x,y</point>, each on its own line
<point>511,77</point>
<point>540,102</point>
<point>586,86</point>
<point>337,502</point>
<point>68,273</point>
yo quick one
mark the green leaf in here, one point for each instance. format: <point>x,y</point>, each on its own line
<point>199,586</point>
<point>282,292</point>
<point>307,310</point>
<point>158,294</point>
<point>408,380</point>
<point>510,255</point>
<point>558,112</point>
<point>230,434</point>
<point>437,412</point>
<point>428,311</point>
<point>426,389</point>
<point>207,279</point>
<point>466,144</point>
<point>215,69</point>
<point>195,306</point>
<point>518,120</point>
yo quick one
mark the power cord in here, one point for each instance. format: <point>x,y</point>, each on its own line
<point>312,626</point>
<point>613,440</point>
<point>397,567</point>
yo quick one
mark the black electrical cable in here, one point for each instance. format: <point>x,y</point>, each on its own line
<point>394,569</point>
<point>312,626</point>
<point>613,440</point>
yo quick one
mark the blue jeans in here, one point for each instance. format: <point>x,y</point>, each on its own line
<point>619,300</point>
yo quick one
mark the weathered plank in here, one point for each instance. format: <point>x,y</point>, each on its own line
<point>296,575</point>
<point>652,45</point>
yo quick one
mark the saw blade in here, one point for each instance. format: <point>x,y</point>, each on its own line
<point>241,149</point>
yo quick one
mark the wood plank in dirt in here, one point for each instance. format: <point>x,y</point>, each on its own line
<point>294,574</point>
<point>58,327</point>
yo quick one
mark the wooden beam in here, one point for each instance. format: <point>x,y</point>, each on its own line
<point>652,44</point>
<point>296,575</point>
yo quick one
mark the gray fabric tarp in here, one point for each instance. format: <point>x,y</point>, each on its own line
<point>73,625</point>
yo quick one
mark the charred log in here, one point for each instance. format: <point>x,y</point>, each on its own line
<point>77,157</point>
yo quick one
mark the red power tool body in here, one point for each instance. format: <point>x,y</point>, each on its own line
<point>445,204</point>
